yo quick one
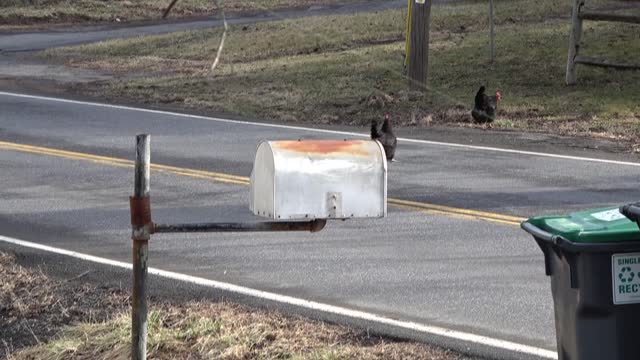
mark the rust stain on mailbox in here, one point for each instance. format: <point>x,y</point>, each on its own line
<point>352,147</point>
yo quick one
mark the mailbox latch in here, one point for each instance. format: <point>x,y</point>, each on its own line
<point>334,204</point>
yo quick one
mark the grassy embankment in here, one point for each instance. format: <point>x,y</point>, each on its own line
<point>47,318</point>
<point>23,13</point>
<point>348,70</point>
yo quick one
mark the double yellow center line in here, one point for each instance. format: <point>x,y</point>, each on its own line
<point>207,175</point>
<point>242,180</point>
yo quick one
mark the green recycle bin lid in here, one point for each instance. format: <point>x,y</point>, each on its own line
<point>604,225</point>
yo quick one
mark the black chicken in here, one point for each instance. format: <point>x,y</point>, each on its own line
<point>385,136</point>
<point>485,107</point>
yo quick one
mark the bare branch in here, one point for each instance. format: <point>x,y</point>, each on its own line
<point>26,325</point>
<point>224,36</point>
<point>168,9</point>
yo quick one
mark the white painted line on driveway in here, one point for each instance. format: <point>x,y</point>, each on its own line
<point>312,305</point>
<point>335,132</point>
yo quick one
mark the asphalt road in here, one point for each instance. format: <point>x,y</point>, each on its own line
<point>477,276</point>
<point>40,40</point>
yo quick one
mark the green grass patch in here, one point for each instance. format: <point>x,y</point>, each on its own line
<point>245,43</point>
<point>15,13</point>
<point>308,35</point>
<point>349,69</point>
<point>34,12</point>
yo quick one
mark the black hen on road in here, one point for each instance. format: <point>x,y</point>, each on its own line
<point>385,136</point>
<point>484,110</point>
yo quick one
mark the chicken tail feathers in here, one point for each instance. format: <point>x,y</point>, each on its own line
<point>480,98</point>
<point>375,134</point>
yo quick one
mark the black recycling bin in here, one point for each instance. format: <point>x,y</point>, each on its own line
<point>631,211</point>
<point>593,259</point>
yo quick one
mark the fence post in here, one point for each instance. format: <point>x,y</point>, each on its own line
<point>574,42</point>
<point>141,232</point>
<point>492,51</point>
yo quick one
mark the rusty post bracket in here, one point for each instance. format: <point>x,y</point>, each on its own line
<point>141,224</point>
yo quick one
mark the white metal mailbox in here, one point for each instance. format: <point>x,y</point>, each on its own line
<point>319,179</point>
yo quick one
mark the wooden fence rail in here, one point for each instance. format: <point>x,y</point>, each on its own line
<point>575,35</point>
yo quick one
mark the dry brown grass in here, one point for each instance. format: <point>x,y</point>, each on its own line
<point>33,308</point>
<point>44,318</point>
<point>228,331</point>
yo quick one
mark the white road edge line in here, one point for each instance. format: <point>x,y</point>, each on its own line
<point>336,132</point>
<point>433,330</point>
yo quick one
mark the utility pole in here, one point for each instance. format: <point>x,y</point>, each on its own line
<point>419,42</point>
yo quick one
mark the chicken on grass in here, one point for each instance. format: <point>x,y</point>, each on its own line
<point>385,136</point>
<point>484,110</point>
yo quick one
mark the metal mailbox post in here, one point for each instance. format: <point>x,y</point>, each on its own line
<point>300,184</point>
